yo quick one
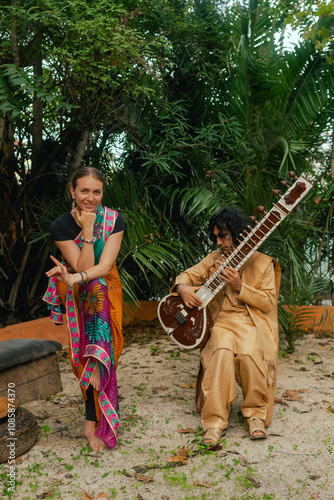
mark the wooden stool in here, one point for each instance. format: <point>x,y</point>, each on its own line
<point>30,367</point>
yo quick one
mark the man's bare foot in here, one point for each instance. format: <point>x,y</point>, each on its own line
<point>94,442</point>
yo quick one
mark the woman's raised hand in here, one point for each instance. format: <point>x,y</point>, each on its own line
<point>59,272</point>
<point>84,219</point>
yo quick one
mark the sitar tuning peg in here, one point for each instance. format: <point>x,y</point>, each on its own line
<point>293,174</point>
<point>276,192</point>
<point>252,218</point>
<point>285,184</point>
<point>261,209</point>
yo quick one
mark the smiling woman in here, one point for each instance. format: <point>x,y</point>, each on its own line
<point>87,193</point>
<point>85,286</point>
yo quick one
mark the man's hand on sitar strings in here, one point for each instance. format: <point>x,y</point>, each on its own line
<point>189,296</point>
<point>232,277</point>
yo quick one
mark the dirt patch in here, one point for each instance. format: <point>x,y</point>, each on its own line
<point>158,455</point>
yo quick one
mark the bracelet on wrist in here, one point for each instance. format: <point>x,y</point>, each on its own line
<point>82,278</point>
<point>87,278</point>
<point>71,284</point>
<point>84,240</point>
<point>178,286</point>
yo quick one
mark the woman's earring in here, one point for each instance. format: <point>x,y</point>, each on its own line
<point>73,206</point>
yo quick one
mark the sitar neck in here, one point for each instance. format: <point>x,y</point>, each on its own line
<point>255,237</point>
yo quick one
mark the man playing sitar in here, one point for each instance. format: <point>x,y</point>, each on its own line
<point>243,345</point>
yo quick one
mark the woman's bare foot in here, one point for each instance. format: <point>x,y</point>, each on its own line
<point>94,442</point>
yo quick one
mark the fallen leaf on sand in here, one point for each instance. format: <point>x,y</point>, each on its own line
<point>143,478</point>
<point>257,484</point>
<point>132,417</point>
<point>243,461</point>
<point>330,409</point>
<point>178,459</point>
<point>159,388</point>
<point>293,394</point>
<point>131,474</point>
<point>319,360</point>
<point>192,385</point>
<point>184,451</point>
<point>280,402</point>
<point>86,496</point>
<point>297,410</point>
<point>188,430</point>
<point>197,483</point>
<point>103,495</point>
<point>47,494</point>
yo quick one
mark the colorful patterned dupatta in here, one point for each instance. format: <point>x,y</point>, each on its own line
<point>94,318</point>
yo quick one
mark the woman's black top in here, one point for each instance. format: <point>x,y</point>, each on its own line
<point>65,228</point>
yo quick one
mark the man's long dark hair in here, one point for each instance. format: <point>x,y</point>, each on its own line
<point>228,218</point>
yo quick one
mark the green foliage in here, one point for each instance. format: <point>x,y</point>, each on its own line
<point>211,110</point>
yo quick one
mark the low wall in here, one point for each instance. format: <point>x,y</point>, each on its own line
<point>43,328</point>
<point>319,318</point>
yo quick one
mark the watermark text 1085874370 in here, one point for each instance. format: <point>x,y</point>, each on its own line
<point>11,438</point>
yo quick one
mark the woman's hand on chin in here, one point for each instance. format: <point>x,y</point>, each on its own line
<point>84,219</point>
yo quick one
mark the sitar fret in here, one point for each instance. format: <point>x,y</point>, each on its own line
<point>245,249</point>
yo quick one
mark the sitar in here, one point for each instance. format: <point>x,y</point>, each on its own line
<point>189,327</point>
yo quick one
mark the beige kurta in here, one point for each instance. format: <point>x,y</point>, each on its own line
<point>245,322</point>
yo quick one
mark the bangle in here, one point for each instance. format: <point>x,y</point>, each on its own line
<point>82,278</point>
<point>71,284</point>
<point>177,287</point>
<point>84,240</point>
<point>87,279</point>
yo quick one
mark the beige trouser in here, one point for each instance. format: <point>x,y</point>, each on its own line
<point>220,388</point>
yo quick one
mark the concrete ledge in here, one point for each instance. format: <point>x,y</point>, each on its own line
<point>44,328</point>
<point>41,328</point>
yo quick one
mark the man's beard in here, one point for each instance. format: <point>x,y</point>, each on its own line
<point>226,251</point>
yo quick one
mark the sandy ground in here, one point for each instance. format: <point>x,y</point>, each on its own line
<point>157,459</point>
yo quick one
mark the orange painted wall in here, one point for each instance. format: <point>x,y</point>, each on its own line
<point>45,329</point>
<point>37,329</point>
<point>320,317</point>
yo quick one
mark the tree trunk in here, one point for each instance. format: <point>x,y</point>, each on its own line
<point>31,292</point>
<point>80,150</point>
<point>14,36</point>
<point>15,288</point>
<point>79,153</point>
<point>37,127</point>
